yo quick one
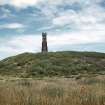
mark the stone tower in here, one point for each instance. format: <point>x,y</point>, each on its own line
<point>44,42</point>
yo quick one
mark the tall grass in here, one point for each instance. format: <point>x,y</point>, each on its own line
<point>60,91</point>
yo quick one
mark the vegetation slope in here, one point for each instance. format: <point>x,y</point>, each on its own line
<point>65,63</point>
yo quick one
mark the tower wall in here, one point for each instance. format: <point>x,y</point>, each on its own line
<point>44,42</point>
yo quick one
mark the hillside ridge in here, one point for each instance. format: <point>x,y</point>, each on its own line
<point>65,63</point>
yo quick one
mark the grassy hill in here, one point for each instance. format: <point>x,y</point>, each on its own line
<point>53,64</point>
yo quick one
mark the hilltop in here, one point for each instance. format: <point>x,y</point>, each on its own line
<point>65,63</point>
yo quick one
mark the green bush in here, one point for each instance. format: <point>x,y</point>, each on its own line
<point>53,64</point>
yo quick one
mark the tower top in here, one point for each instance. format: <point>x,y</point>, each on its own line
<point>44,34</point>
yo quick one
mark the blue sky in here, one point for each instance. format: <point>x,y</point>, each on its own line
<point>70,24</point>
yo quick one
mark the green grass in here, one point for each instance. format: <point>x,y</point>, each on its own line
<point>53,64</point>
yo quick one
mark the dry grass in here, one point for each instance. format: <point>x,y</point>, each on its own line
<point>59,91</point>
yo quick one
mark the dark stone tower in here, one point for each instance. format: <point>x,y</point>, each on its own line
<point>44,42</point>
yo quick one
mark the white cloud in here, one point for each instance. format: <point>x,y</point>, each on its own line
<point>65,18</point>
<point>6,13</point>
<point>46,28</point>
<point>23,3</point>
<point>90,17</point>
<point>88,24</point>
<point>11,26</point>
<point>20,3</point>
<point>73,38</point>
<point>32,43</point>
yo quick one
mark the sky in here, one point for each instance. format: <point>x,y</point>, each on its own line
<point>72,25</point>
